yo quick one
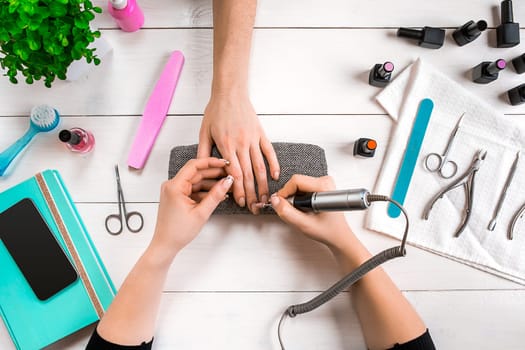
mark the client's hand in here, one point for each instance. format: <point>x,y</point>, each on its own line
<point>329,228</point>
<point>231,124</point>
<point>187,201</point>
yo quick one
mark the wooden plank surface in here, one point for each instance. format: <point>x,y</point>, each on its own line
<point>457,320</point>
<point>293,71</point>
<point>325,13</point>
<point>309,69</point>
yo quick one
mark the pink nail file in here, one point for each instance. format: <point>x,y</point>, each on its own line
<point>156,111</point>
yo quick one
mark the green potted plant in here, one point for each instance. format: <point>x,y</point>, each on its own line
<point>41,38</point>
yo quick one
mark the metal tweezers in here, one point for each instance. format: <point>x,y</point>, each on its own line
<point>467,181</point>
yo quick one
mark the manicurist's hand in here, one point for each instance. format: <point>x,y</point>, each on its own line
<point>187,201</point>
<point>231,124</point>
<point>375,297</point>
<point>330,228</point>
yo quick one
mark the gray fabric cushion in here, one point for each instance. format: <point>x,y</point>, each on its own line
<point>294,158</point>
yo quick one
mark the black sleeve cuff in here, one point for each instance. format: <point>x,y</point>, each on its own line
<point>96,342</point>
<point>423,342</point>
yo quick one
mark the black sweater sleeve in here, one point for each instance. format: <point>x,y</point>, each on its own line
<point>423,342</point>
<point>96,342</point>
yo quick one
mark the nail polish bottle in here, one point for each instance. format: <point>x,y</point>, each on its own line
<point>469,32</point>
<point>485,72</point>
<point>519,64</point>
<point>127,13</point>
<point>77,140</point>
<point>428,37</point>
<point>380,74</point>
<point>508,33</point>
<point>517,95</point>
<point>365,147</point>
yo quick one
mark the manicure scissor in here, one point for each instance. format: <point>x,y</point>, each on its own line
<point>440,163</point>
<point>123,214</point>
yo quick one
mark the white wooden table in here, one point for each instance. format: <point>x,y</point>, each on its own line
<point>309,71</point>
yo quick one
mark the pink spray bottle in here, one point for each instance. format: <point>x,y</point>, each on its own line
<point>127,13</point>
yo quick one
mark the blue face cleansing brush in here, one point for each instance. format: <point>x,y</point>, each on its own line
<point>43,119</point>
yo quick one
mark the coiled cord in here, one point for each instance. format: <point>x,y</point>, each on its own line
<point>353,276</point>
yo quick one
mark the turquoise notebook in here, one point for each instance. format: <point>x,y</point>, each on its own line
<point>32,323</point>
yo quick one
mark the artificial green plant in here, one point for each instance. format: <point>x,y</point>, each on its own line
<point>41,38</point>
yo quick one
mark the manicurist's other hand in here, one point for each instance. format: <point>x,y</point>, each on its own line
<point>375,297</point>
<point>231,124</point>
<point>328,227</point>
<point>187,201</point>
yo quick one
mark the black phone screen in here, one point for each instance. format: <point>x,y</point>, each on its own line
<point>35,249</point>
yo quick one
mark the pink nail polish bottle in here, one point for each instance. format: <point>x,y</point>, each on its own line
<point>127,13</point>
<point>77,140</point>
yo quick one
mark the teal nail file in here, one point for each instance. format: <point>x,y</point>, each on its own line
<point>411,153</point>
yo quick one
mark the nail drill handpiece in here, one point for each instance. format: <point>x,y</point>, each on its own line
<point>343,200</point>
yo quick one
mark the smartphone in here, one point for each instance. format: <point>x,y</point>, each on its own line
<point>35,249</point>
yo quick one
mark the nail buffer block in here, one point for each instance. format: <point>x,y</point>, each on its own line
<point>411,154</point>
<point>156,111</point>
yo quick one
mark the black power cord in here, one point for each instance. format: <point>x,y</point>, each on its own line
<point>352,277</point>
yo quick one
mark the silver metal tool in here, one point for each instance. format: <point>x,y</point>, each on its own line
<point>440,163</point>
<point>331,200</point>
<point>503,195</point>
<point>517,216</point>
<point>342,200</point>
<point>123,215</point>
<point>467,181</point>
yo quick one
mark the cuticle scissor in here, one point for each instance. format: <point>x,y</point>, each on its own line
<point>441,161</point>
<point>123,215</point>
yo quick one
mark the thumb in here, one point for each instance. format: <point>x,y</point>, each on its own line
<point>215,196</point>
<point>287,212</point>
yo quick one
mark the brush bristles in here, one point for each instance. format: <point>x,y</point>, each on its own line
<point>44,117</point>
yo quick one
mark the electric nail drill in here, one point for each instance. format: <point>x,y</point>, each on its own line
<point>355,199</point>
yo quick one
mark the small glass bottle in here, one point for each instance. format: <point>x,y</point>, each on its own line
<point>77,140</point>
<point>127,14</point>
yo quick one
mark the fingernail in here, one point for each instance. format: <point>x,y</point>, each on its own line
<point>227,162</point>
<point>242,202</point>
<point>228,181</point>
<point>264,199</point>
<point>254,208</point>
<point>276,175</point>
<point>274,199</point>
